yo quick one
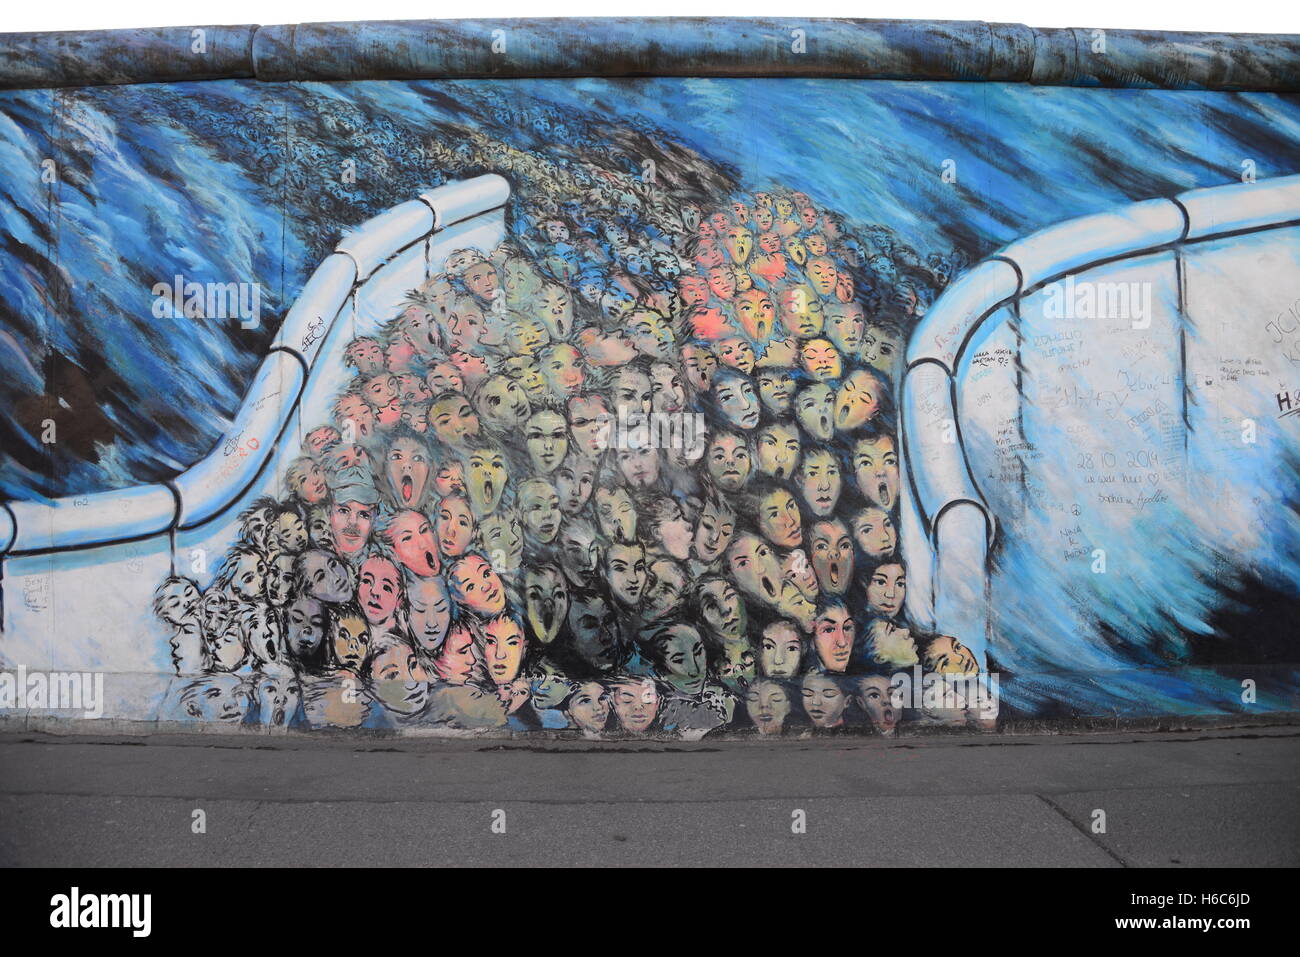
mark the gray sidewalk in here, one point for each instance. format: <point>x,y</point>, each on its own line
<point>1222,798</point>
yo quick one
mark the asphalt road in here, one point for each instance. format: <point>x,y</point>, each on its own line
<point>1227,798</point>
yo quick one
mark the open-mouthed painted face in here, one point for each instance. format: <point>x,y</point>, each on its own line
<point>857,400</point>
<point>756,314</point>
<point>755,568</point>
<point>411,536</point>
<point>778,449</point>
<point>546,598</point>
<point>406,466</point>
<point>875,467</point>
<point>486,481</point>
<point>875,697</point>
<point>832,556</point>
<point>813,406</point>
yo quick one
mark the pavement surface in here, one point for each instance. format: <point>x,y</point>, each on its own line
<point>1208,798</point>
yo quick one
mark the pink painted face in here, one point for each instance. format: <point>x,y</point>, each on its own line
<point>455,663</point>
<point>321,440</point>
<point>445,377</point>
<point>406,467</point>
<point>354,416</point>
<point>400,354</point>
<point>450,480</point>
<point>477,587</point>
<point>307,481</point>
<point>380,390</point>
<point>366,356</point>
<point>350,522</point>
<point>378,590</point>
<point>694,290</point>
<point>411,536</point>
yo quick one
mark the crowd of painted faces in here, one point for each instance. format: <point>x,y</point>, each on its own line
<point>613,478</point>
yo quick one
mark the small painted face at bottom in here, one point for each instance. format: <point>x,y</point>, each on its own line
<point>429,603</point>
<point>875,697</point>
<point>768,706</point>
<point>947,655</point>
<point>636,703</point>
<point>823,700</point>
<point>589,709</point>
<point>351,639</point>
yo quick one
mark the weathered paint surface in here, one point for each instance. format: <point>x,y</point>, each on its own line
<point>593,422</point>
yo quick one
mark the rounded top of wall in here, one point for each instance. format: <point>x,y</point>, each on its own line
<point>656,46</point>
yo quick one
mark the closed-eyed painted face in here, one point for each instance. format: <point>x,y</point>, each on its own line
<point>823,700</point>
<point>768,706</point>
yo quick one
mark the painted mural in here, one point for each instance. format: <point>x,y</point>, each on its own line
<point>634,470</point>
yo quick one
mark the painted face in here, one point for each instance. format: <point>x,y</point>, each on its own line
<point>590,424</point>
<point>555,309</point>
<point>833,638</point>
<point>713,531</point>
<point>801,311</point>
<point>539,505</point>
<point>454,664</point>
<point>322,439</point>
<point>823,276</point>
<point>663,594</point>
<point>481,279</point>
<point>379,588</point>
<point>882,349</point>
<point>635,703</point>
<point>546,437</point>
<point>736,353</point>
<point>681,653</point>
<point>526,335</point>
<point>739,242</point>
<point>729,461</point>
<point>453,419</point>
<point>249,578</point>
<point>737,401</point>
<point>874,694</point>
<point>813,408</point>
<point>845,326</point>
<point>768,706</point>
<point>667,392</point>
<point>574,481</point>
<point>411,535</point>
<point>832,556</point>
<point>325,576</point>
<point>579,553</point>
<point>708,254</point>
<point>779,519</point>
<point>445,377</point>
<point>857,401</point>
<point>756,313</point>
<point>820,359</point>
<point>875,466</point>
<point>890,645</point>
<point>780,650</point>
<point>887,589</point>
<point>546,595</point>
<point>486,480</point>
<point>796,250</point>
<point>407,470</point>
<point>476,586</point>
<point>699,365</point>
<point>875,534</point>
<point>755,568</point>
<point>947,655</point>
<point>350,524</point>
<point>626,573</point>
<point>616,514</point>
<point>503,648</point>
<point>307,481</point>
<point>305,626</point>
<point>380,390</point>
<point>365,355</point>
<point>778,450</point>
<point>503,539</point>
<point>502,403</point>
<point>351,638</point>
<point>562,367</point>
<point>776,389</point>
<point>823,701</point>
<point>454,527</point>
<point>816,243</point>
<point>593,624</point>
<point>631,390</point>
<point>589,708</point>
<point>449,480</point>
<point>819,481</point>
<point>345,457</point>
<point>694,290</point>
<point>399,680</point>
<point>521,281</point>
<point>651,334</point>
<point>722,282</point>
<point>722,609</point>
<point>354,416</point>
